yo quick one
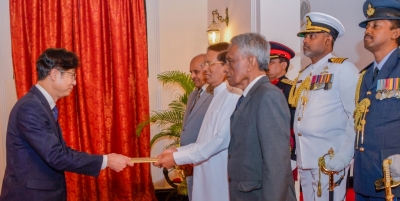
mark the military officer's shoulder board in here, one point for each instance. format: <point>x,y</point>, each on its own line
<point>336,60</point>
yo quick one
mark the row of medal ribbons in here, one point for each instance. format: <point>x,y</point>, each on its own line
<point>323,81</point>
<point>388,88</point>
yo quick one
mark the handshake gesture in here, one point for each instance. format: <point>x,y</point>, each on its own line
<point>118,162</point>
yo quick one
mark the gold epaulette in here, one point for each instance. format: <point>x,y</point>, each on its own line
<point>336,60</point>
<point>287,81</point>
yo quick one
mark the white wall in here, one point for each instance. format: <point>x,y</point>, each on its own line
<point>176,33</point>
<point>279,22</point>
<point>8,95</point>
<point>351,44</point>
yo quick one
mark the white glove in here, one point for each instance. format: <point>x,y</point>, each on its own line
<point>395,167</point>
<point>293,164</point>
<point>338,162</point>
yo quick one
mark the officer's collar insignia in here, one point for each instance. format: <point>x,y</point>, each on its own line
<point>370,10</point>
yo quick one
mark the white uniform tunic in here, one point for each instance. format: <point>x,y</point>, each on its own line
<point>326,121</point>
<point>209,154</point>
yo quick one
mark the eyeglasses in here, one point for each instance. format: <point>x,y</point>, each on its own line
<point>208,64</point>
<point>71,73</point>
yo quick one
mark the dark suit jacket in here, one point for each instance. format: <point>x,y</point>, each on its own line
<point>37,155</point>
<point>192,120</point>
<point>381,137</point>
<point>259,157</point>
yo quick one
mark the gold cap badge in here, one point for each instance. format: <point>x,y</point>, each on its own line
<point>311,28</point>
<point>370,10</point>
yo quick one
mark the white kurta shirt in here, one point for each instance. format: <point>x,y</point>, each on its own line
<point>327,120</point>
<point>209,154</point>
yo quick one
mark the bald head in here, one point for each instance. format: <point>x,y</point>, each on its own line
<point>196,71</point>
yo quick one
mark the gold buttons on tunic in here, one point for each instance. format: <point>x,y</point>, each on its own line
<point>361,149</point>
<point>369,93</point>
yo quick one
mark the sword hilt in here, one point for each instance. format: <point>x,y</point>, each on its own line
<point>386,182</point>
<point>322,168</point>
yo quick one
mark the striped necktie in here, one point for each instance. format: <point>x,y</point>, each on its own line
<point>196,99</point>
<point>239,102</point>
<point>55,113</point>
<point>376,71</point>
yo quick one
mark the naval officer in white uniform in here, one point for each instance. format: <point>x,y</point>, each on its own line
<point>324,98</point>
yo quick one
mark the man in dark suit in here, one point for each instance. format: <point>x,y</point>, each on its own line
<point>258,153</point>
<point>378,90</point>
<point>196,108</point>
<point>37,155</point>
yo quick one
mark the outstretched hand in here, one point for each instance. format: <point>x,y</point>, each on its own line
<point>166,159</point>
<point>118,162</point>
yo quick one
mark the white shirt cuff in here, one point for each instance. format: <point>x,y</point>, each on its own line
<point>104,164</point>
<point>181,157</point>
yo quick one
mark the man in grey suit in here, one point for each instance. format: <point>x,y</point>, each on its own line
<point>258,153</point>
<point>196,108</point>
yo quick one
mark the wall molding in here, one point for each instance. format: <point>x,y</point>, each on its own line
<point>255,9</point>
<point>153,40</point>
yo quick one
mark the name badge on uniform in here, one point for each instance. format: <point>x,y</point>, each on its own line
<point>388,88</point>
<point>323,81</point>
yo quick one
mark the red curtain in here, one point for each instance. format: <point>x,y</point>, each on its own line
<point>111,95</point>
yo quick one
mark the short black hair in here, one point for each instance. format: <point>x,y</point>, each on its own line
<point>395,25</point>
<point>55,58</point>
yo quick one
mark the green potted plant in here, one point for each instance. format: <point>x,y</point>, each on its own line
<point>171,120</point>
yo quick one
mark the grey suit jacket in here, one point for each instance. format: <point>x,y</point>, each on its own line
<point>259,156</point>
<point>192,120</point>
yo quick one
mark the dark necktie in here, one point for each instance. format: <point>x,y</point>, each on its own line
<point>55,113</point>
<point>239,102</point>
<point>376,71</point>
<point>196,99</point>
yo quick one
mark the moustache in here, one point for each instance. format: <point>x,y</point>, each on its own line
<point>367,36</point>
